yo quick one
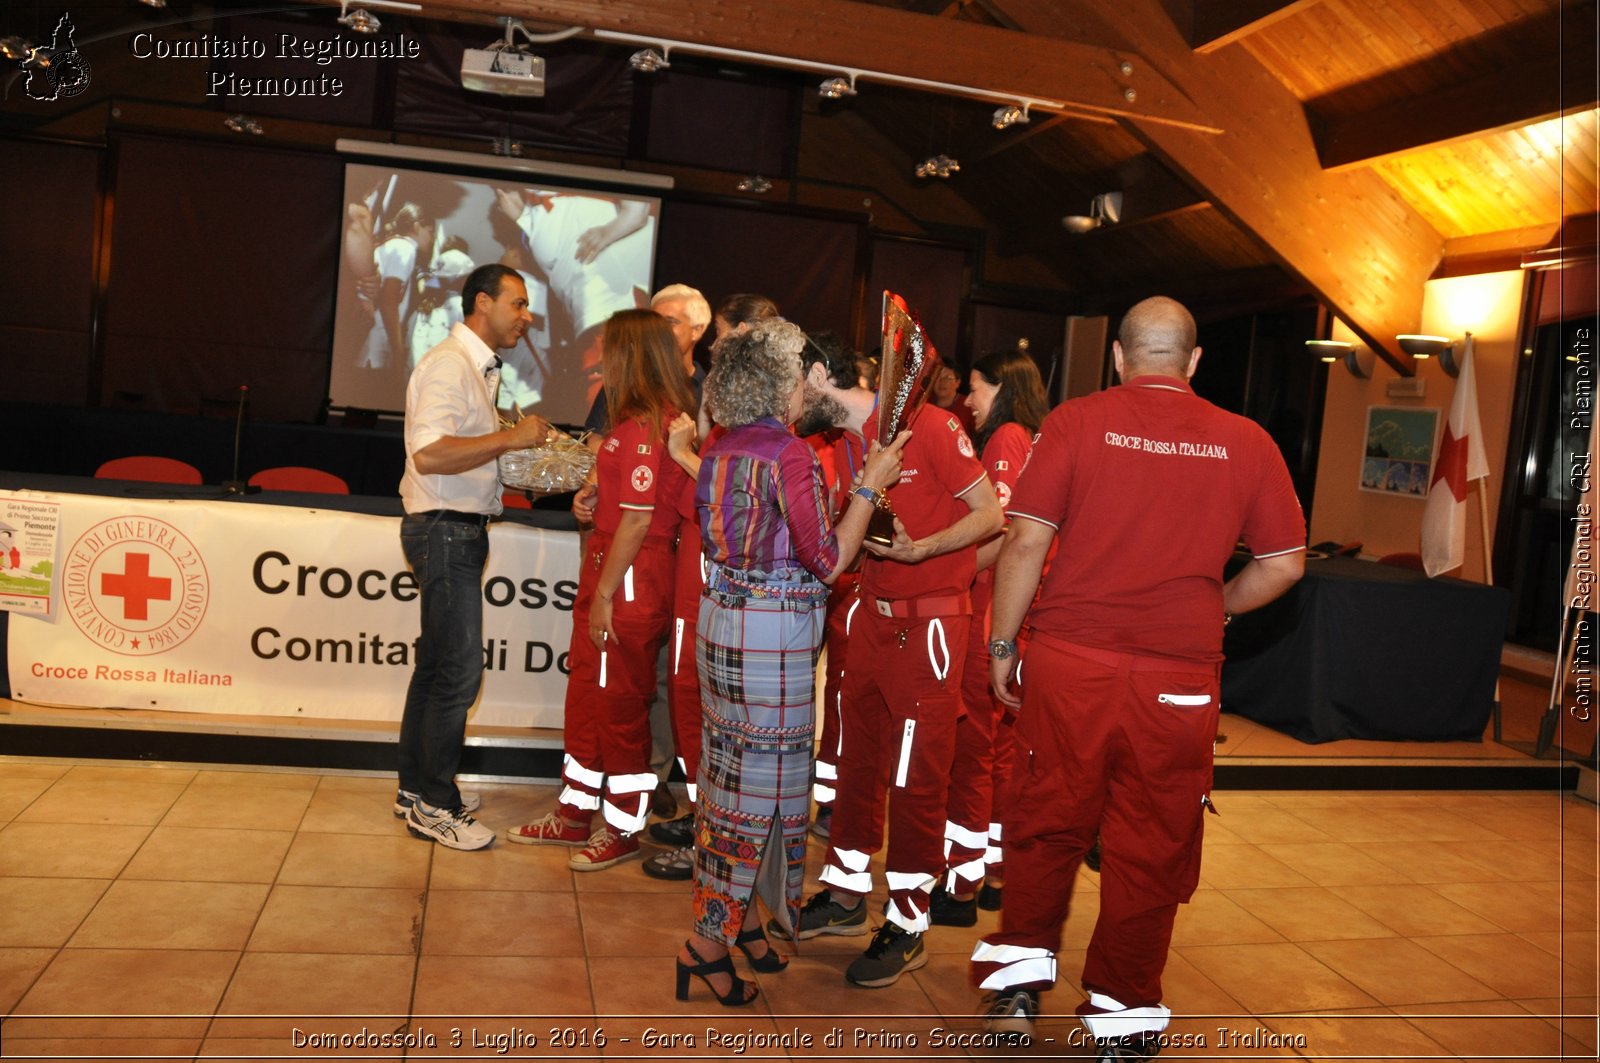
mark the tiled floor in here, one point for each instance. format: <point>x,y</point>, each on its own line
<point>170,911</point>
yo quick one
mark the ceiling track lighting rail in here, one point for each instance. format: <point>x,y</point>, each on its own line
<point>842,81</point>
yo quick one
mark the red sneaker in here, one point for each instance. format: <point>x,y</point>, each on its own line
<point>606,847</point>
<point>551,830</point>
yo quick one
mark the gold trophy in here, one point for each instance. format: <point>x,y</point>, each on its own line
<point>905,376</point>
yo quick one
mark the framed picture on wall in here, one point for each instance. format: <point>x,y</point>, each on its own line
<point>1401,443</point>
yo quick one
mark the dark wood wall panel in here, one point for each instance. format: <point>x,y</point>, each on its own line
<point>50,196</point>
<point>806,264</point>
<point>222,271</point>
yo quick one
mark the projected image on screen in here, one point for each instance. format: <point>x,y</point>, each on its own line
<point>411,238</point>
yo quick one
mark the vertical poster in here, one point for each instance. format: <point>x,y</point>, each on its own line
<point>29,536</point>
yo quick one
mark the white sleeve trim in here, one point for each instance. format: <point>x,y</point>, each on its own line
<point>1279,553</point>
<point>981,477</point>
<point>1030,516</point>
<point>631,505</point>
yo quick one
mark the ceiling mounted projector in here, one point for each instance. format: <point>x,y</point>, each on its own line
<point>507,69</point>
<point>502,71</point>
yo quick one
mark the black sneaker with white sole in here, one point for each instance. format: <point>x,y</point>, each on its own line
<point>945,910</point>
<point>824,915</point>
<point>893,952</point>
<point>674,832</point>
<point>1011,1014</point>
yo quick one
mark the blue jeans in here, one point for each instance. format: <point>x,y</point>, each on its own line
<point>448,557</point>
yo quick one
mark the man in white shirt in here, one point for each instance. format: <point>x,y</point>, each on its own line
<point>451,488</point>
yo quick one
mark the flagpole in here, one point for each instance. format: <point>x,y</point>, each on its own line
<point>1488,551</point>
<point>1488,579</point>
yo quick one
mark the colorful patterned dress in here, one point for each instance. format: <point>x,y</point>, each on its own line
<point>763,516</point>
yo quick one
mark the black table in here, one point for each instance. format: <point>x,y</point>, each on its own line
<point>1363,650</point>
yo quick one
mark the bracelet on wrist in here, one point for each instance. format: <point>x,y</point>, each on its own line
<point>871,494</point>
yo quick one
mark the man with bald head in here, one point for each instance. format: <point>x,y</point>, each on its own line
<point>1149,488</point>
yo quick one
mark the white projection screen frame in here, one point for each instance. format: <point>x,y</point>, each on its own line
<point>410,237</point>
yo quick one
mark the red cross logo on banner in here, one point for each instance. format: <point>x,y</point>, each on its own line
<point>135,586</point>
<point>643,478</point>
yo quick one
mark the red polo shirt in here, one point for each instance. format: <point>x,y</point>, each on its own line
<point>1151,487</point>
<point>937,467</point>
<point>634,471</point>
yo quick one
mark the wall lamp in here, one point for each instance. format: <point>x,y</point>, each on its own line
<point>1358,360</point>
<point>1421,348</point>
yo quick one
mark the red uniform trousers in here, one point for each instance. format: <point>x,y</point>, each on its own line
<point>983,737</point>
<point>683,691</point>
<point>902,697</point>
<point>843,603</point>
<point>1120,745</point>
<point>607,715</point>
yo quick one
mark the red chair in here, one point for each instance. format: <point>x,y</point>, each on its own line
<point>515,498</point>
<point>1403,561</point>
<point>149,469</point>
<point>299,478</point>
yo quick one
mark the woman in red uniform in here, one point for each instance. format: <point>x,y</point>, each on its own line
<point>1008,404</point>
<point>624,601</point>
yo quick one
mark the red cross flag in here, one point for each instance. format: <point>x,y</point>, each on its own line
<point>1461,458</point>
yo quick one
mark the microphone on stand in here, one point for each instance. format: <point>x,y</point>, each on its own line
<point>237,486</point>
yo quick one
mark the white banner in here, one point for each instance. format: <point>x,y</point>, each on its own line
<point>230,607</point>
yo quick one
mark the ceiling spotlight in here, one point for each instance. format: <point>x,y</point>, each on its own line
<point>1356,359</point>
<point>241,123</point>
<point>756,185</point>
<point>837,87</point>
<point>360,20</point>
<point>940,165</point>
<point>648,61</point>
<point>1104,209</point>
<point>1010,115</point>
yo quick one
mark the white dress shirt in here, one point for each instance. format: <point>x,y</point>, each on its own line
<point>450,394</point>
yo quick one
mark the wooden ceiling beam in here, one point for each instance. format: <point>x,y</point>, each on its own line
<point>860,36</point>
<point>1514,92</point>
<point>1350,237</point>
<point>1215,24</point>
<point>1493,252</point>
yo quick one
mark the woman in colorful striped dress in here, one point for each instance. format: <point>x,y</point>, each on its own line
<point>764,521</point>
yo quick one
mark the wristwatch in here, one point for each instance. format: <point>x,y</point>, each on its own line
<point>1000,649</point>
<point>871,495</point>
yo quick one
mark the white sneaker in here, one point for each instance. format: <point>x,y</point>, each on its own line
<point>454,829</point>
<point>404,799</point>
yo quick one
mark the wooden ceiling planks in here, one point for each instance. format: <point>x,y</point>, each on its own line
<point>1535,175</point>
<point>1351,237</point>
<point>1214,24</point>
<point>1348,56</point>
<point>1521,73</point>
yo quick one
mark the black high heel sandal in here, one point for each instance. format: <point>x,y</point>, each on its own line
<point>702,970</point>
<point>768,962</point>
